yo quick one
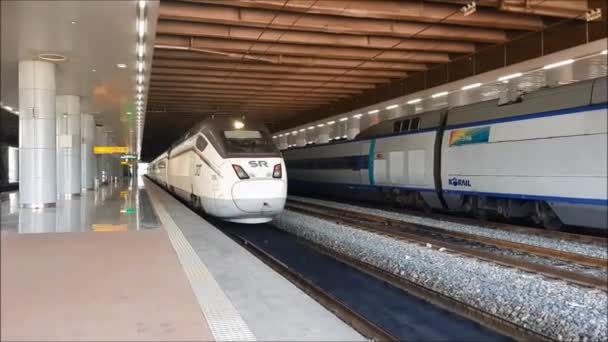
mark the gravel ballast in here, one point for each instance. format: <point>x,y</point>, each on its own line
<point>553,308</point>
<point>536,240</point>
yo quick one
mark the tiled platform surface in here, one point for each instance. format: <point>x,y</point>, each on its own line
<point>115,274</point>
<point>96,286</point>
<point>272,307</point>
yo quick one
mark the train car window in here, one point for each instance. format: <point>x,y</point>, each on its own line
<point>161,165</point>
<point>415,123</point>
<point>397,126</point>
<point>405,126</point>
<point>201,143</point>
<point>248,141</point>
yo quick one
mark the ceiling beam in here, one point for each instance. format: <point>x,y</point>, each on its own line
<point>273,100</point>
<point>274,94</point>
<point>194,29</point>
<point>291,61</point>
<point>161,61</point>
<point>265,75</point>
<point>281,49</point>
<point>226,107</point>
<point>553,8</point>
<point>198,87</point>
<point>412,10</point>
<point>251,17</point>
<point>245,81</point>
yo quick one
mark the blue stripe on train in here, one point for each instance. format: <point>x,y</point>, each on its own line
<point>348,189</point>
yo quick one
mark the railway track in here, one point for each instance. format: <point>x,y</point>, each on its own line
<point>595,239</point>
<point>393,308</point>
<point>471,245</point>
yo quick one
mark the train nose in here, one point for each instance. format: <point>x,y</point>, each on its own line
<point>260,196</point>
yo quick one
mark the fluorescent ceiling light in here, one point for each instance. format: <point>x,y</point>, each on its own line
<point>141,28</point>
<point>558,64</point>
<point>373,111</point>
<point>392,106</point>
<point>331,122</point>
<point>121,65</point>
<point>140,66</point>
<point>471,86</point>
<point>414,101</point>
<point>508,77</point>
<point>302,129</point>
<point>345,136</point>
<point>311,127</point>
<point>140,50</point>
<point>320,125</point>
<point>294,132</point>
<point>142,4</point>
<point>140,89</point>
<point>274,137</point>
<point>343,119</point>
<point>443,93</point>
<point>140,78</point>
<point>9,108</point>
<point>356,116</point>
<point>604,52</point>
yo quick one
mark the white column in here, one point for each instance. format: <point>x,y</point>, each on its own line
<point>99,141</point>
<point>37,177</point>
<point>87,159</point>
<point>353,128</point>
<point>301,139</point>
<point>323,135</point>
<point>68,146</point>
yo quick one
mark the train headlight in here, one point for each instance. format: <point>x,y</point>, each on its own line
<point>240,172</point>
<point>277,172</point>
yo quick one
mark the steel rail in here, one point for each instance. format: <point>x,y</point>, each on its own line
<point>378,225</point>
<point>534,231</point>
<point>436,298</point>
<point>364,326</point>
<point>516,246</point>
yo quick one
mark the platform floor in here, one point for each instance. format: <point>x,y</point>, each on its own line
<point>132,263</point>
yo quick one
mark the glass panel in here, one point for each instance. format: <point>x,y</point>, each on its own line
<point>201,143</point>
<point>415,122</point>
<point>397,126</point>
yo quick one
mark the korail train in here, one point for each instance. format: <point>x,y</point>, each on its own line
<point>542,157</point>
<point>227,167</point>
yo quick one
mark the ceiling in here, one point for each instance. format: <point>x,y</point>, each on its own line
<point>278,60</point>
<point>583,62</point>
<point>95,36</point>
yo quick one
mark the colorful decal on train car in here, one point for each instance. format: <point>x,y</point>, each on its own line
<point>465,136</point>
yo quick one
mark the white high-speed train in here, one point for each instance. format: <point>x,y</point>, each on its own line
<point>542,157</point>
<point>227,167</point>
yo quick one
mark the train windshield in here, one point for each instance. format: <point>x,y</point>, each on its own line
<point>248,141</point>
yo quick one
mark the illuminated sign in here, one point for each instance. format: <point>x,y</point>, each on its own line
<point>128,156</point>
<point>109,149</point>
<point>109,227</point>
<point>124,162</point>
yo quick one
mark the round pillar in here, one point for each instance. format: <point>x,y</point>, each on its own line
<point>37,165</point>
<point>353,128</point>
<point>99,141</point>
<point>87,159</point>
<point>68,146</point>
